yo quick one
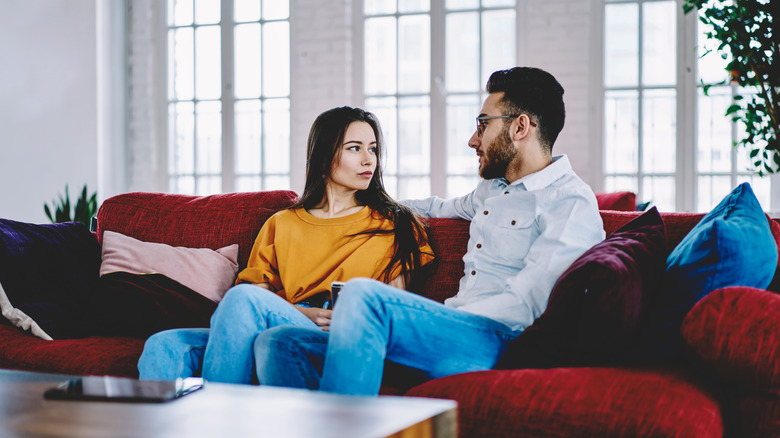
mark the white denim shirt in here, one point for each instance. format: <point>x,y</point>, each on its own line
<point>523,236</point>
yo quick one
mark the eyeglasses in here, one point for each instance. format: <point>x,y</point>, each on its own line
<point>482,122</point>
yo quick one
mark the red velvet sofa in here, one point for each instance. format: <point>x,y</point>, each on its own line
<point>734,389</point>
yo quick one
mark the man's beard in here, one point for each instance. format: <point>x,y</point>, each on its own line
<point>497,157</point>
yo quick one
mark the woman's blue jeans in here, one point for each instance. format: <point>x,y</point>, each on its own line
<point>225,351</point>
<point>373,322</point>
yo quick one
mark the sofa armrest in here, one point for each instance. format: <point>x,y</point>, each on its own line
<point>736,331</point>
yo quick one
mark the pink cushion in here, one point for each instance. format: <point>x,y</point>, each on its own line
<point>207,272</point>
<point>736,331</point>
<point>566,402</point>
<point>193,221</point>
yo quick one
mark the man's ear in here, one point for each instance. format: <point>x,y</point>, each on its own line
<point>521,127</point>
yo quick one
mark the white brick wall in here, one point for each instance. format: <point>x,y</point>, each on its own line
<point>146,96</point>
<point>558,39</point>
<point>321,69</point>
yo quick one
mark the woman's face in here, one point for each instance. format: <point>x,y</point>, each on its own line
<point>355,162</point>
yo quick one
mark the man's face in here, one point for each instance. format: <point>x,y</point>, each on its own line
<point>494,146</point>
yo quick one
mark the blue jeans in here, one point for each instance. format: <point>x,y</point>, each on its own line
<point>226,350</point>
<point>374,322</point>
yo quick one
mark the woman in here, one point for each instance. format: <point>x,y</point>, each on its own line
<point>344,226</point>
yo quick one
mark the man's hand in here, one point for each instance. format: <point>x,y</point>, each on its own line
<point>321,317</point>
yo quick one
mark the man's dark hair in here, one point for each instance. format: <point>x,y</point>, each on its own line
<point>535,92</point>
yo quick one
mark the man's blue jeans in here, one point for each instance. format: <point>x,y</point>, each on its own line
<point>373,322</point>
<point>226,349</point>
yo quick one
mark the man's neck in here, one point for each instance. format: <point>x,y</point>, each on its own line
<point>530,163</point>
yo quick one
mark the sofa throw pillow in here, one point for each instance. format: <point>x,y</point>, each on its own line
<point>46,273</point>
<point>139,305</point>
<point>732,245</point>
<point>596,304</point>
<point>621,201</point>
<point>206,271</point>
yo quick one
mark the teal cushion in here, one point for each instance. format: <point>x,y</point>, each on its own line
<point>731,246</point>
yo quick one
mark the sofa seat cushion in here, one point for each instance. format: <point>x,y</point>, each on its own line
<point>565,402</point>
<point>93,355</point>
<point>736,331</point>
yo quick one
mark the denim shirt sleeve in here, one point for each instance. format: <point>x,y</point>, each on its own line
<point>568,227</point>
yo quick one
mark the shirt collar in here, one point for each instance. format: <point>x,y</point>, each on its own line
<point>538,180</point>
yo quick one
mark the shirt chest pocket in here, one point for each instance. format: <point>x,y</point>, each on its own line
<point>513,233</point>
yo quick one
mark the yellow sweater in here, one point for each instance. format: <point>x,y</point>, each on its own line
<point>302,254</point>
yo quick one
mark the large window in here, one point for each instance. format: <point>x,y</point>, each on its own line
<point>427,100</point>
<point>228,95</point>
<point>663,137</point>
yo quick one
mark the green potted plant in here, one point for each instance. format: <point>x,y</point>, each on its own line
<point>85,208</point>
<point>744,30</point>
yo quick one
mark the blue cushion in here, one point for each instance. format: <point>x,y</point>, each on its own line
<point>731,246</point>
<point>47,272</point>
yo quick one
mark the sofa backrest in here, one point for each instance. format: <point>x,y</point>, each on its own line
<point>193,221</point>
<point>220,220</point>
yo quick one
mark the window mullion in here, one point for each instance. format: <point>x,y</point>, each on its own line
<point>642,192</point>
<point>227,99</point>
<point>687,113</point>
<point>438,96</point>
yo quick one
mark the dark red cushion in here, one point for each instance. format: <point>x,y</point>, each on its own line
<point>622,201</point>
<point>736,331</point>
<point>193,221</point>
<point>138,306</point>
<point>595,306</point>
<point>759,416</point>
<point>578,402</point>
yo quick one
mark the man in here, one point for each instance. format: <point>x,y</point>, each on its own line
<point>531,217</point>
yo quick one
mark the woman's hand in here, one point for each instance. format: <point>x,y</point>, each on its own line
<point>321,317</point>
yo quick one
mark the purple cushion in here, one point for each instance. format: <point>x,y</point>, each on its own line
<point>595,306</point>
<point>47,271</point>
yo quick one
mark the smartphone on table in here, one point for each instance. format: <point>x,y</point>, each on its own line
<point>123,389</point>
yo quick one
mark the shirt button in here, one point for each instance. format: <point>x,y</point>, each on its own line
<point>479,245</point>
<point>514,222</point>
<point>485,212</point>
<point>473,272</point>
<point>506,192</point>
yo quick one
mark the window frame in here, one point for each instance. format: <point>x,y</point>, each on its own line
<point>228,175</point>
<point>437,90</point>
<point>687,86</point>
